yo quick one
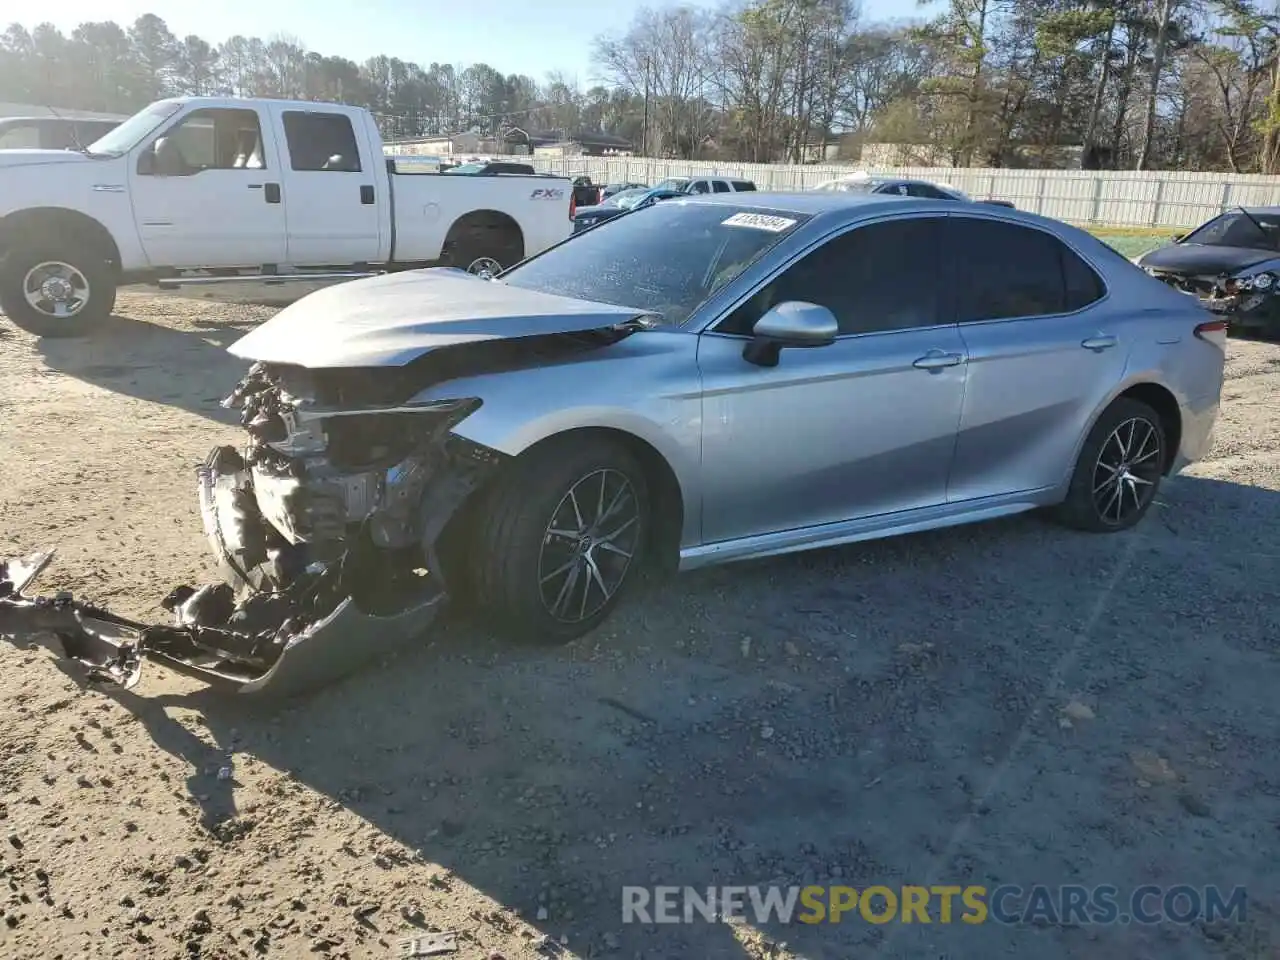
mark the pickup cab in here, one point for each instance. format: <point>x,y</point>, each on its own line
<point>199,190</point>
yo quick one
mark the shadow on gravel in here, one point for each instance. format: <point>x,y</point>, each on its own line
<point>187,369</point>
<point>889,713</point>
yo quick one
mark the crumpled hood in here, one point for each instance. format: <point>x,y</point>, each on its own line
<point>390,320</point>
<point>1194,259</point>
<point>31,158</point>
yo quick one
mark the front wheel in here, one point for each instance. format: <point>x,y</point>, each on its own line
<point>560,540</point>
<point>56,292</point>
<point>1118,472</point>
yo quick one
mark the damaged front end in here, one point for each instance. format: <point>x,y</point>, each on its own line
<point>326,528</point>
<point>1251,301</point>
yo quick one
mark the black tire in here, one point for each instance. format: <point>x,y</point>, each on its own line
<point>473,245</point>
<point>510,551</point>
<point>1092,503</point>
<point>17,271</point>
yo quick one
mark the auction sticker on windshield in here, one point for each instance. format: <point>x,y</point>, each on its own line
<point>759,221</point>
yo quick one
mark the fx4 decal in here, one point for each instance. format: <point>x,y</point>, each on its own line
<point>543,193</point>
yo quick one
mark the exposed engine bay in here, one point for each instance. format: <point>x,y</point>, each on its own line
<point>326,526</point>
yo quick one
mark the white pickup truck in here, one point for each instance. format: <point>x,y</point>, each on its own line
<point>209,189</point>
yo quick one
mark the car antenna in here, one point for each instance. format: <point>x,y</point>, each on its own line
<point>75,137</point>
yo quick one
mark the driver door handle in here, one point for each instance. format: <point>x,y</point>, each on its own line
<point>936,360</point>
<point>1103,341</point>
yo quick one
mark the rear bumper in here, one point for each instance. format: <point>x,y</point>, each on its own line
<point>1198,421</point>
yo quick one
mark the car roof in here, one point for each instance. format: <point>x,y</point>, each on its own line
<point>837,205</point>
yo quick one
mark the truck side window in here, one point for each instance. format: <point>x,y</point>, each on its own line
<point>321,142</point>
<point>214,139</point>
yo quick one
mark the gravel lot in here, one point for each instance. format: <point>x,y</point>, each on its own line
<point>1008,703</point>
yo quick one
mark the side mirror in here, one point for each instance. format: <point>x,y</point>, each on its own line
<point>793,323</point>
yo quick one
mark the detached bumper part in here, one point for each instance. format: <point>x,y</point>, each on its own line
<point>297,625</point>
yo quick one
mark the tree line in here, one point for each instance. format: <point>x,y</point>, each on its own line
<point>1130,84</point>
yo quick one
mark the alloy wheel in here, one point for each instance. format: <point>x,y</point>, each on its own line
<point>55,289</point>
<point>485,267</point>
<point>1127,470</point>
<point>588,546</point>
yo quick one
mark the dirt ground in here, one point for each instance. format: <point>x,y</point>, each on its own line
<point>1006,703</point>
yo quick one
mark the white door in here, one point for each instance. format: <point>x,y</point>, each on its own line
<point>206,193</point>
<point>333,190</point>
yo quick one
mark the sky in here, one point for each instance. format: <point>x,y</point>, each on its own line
<point>514,36</point>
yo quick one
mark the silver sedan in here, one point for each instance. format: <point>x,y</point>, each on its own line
<point>710,379</point>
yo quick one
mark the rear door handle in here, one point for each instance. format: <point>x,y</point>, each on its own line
<point>1100,342</point>
<point>936,360</point>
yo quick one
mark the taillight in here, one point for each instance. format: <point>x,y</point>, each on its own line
<point>1214,331</point>
<point>573,206</point>
<point>600,195</point>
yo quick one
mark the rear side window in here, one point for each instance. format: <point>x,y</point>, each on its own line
<point>321,142</point>
<point>741,185</point>
<point>1083,286</point>
<point>1010,271</point>
<point>722,187</point>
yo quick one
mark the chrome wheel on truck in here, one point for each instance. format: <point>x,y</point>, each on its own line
<point>56,292</point>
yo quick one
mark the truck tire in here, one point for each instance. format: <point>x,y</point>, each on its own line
<point>58,291</point>
<point>485,248</point>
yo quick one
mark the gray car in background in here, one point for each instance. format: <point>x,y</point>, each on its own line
<point>705,380</point>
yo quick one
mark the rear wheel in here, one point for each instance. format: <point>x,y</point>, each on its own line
<point>485,249</point>
<point>560,540</point>
<point>56,292</point>
<point>1119,470</point>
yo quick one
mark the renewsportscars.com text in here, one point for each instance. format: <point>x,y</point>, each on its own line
<point>938,903</point>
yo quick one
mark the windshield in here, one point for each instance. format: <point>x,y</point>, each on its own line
<point>851,186</point>
<point>130,133</point>
<point>1236,229</point>
<point>629,196</point>
<point>666,259</point>
<point>671,183</point>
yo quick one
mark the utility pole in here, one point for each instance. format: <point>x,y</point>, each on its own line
<point>644,127</point>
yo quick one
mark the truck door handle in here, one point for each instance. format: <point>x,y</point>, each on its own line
<point>272,191</point>
<point>936,360</point>
<point>1103,341</point>
<point>366,193</point>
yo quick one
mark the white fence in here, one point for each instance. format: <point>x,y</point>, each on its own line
<point>1119,197</point>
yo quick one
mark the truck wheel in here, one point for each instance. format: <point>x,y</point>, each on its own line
<point>57,292</point>
<point>560,538</point>
<point>485,250</point>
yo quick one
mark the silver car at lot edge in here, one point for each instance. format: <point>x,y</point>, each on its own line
<point>706,380</point>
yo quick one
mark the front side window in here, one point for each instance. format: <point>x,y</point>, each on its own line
<point>665,259</point>
<point>212,139</point>
<point>700,186</point>
<point>1011,271</point>
<point>321,142</point>
<point>875,279</point>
